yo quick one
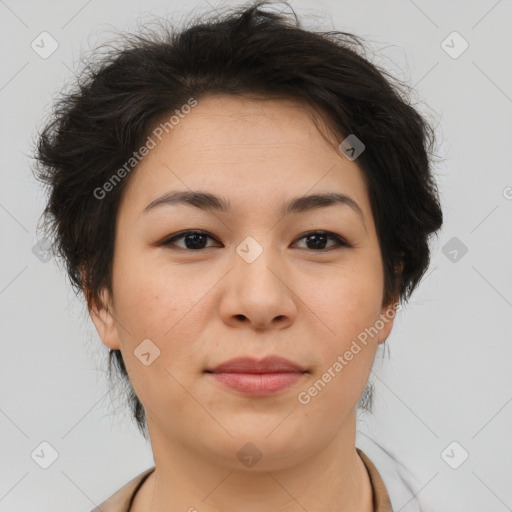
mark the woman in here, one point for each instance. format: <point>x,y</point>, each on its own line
<point>244,204</point>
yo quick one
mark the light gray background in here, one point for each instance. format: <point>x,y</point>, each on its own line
<point>448,377</point>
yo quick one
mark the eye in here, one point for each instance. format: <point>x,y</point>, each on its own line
<point>197,240</point>
<point>318,239</point>
<point>194,240</point>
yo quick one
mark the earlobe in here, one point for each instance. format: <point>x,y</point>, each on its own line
<point>103,319</point>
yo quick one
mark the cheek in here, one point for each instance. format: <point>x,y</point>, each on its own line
<point>352,300</point>
<point>346,349</point>
<point>156,305</point>
<point>150,298</point>
<point>350,306</point>
<point>162,303</point>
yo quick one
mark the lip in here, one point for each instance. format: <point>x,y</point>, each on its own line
<point>255,377</point>
<point>269,364</point>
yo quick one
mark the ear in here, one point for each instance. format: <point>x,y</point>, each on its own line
<point>104,321</point>
<point>387,317</point>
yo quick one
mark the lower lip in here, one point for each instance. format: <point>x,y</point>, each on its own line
<point>258,384</point>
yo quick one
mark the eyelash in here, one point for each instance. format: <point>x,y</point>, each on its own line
<point>169,241</point>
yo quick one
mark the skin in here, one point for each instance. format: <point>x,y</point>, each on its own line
<point>203,307</point>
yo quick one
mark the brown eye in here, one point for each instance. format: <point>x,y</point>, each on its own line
<point>317,240</point>
<point>193,240</point>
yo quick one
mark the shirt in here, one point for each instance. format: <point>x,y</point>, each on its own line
<point>121,500</point>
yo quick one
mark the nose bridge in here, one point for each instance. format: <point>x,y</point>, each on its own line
<point>255,263</point>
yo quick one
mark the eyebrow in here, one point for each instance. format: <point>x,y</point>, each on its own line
<point>211,202</point>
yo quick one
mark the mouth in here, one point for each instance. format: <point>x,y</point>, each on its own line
<point>257,377</point>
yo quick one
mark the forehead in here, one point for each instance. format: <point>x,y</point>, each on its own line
<point>234,125</point>
<point>256,119</point>
<point>246,147</point>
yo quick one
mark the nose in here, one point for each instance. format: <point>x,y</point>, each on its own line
<point>258,294</point>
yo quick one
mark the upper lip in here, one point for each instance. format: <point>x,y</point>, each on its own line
<point>270,364</point>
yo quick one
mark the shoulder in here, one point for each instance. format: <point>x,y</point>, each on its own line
<point>121,500</point>
<point>395,473</point>
<point>381,500</point>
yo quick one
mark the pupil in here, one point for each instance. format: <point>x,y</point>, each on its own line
<point>196,237</point>
<point>320,241</point>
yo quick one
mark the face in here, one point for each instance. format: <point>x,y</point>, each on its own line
<point>264,276</point>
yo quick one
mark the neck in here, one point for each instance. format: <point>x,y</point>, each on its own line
<point>188,478</point>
